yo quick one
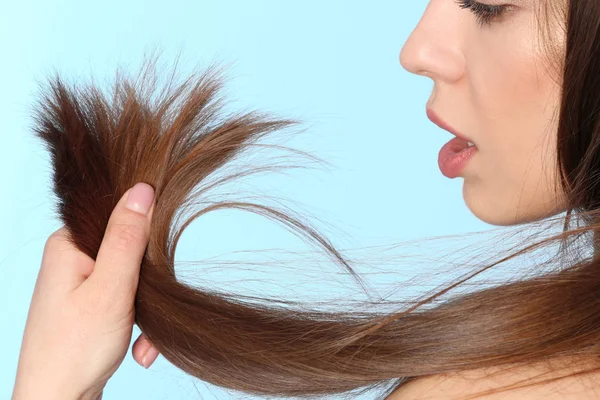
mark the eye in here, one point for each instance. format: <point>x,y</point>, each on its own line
<point>486,14</point>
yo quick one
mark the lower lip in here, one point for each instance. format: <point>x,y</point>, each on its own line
<point>454,156</point>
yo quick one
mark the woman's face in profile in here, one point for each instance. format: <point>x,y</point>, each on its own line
<point>492,85</point>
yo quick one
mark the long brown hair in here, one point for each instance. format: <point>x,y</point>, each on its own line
<point>175,140</point>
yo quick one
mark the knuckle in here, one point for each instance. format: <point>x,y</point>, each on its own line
<point>56,240</point>
<point>126,235</point>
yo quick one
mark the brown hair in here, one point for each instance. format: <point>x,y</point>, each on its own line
<point>101,146</point>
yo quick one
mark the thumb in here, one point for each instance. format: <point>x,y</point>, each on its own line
<point>122,249</point>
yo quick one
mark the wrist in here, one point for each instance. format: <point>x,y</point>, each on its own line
<point>42,392</point>
<point>20,394</point>
<point>30,390</point>
<point>92,394</point>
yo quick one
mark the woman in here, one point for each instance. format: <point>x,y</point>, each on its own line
<point>496,84</point>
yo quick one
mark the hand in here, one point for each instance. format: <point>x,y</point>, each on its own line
<point>81,316</point>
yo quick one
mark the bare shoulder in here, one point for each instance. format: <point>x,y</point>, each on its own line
<point>456,386</point>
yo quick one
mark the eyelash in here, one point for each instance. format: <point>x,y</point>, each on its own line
<point>485,14</point>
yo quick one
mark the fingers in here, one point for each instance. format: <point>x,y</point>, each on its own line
<point>63,265</point>
<point>118,262</point>
<point>143,352</point>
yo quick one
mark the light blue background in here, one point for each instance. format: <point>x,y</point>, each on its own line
<point>334,64</point>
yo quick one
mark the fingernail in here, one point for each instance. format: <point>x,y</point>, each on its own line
<point>144,346</point>
<point>140,198</point>
<point>149,357</point>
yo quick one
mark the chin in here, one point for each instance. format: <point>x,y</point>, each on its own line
<point>483,208</point>
<point>496,210</point>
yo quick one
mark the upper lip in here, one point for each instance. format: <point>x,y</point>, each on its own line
<point>439,122</point>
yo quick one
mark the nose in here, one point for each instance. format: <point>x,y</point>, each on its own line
<point>434,47</point>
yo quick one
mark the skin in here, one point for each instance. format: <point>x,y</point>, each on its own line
<point>491,84</point>
<point>456,386</point>
<point>81,316</point>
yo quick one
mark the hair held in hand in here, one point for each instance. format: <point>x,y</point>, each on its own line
<point>177,137</point>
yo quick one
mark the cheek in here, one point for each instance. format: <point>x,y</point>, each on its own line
<point>508,83</point>
<point>514,102</point>
<point>505,71</point>
<point>513,178</point>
